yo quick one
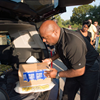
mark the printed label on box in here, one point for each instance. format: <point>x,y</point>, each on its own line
<point>36,75</point>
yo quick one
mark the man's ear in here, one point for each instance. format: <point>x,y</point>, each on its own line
<point>55,32</point>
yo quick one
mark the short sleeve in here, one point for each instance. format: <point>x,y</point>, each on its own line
<point>76,55</point>
<point>94,29</point>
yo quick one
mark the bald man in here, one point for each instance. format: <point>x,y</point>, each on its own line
<point>79,57</point>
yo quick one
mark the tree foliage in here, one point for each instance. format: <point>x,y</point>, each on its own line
<point>94,14</point>
<point>59,20</point>
<point>79,14</point>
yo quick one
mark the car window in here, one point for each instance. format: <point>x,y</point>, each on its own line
<point>5,39</point>
<point>39,4</point>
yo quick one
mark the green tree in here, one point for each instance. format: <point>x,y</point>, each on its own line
<point>66,22</point>
<point>79,14</point>
<point>59,20</point>
<point>94,14</point>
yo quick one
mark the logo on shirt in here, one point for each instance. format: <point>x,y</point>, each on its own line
<point>79,64</point>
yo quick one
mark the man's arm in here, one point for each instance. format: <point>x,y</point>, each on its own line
<point>49,60</point>
<point>54,57</point>
<point>95,32</point>
<point>70,73</point>
<point>91,41</point>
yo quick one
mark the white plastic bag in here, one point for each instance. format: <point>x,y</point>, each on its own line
<point>32,59</point>
<point>34,88</point>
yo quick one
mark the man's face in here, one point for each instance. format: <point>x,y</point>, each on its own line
<point>90,21</point>
<point>95,24</point>
<point>49,38</point>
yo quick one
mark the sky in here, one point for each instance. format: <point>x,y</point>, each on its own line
<point>68,13</point>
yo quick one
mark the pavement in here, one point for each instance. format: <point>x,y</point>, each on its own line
<point>58,64</point>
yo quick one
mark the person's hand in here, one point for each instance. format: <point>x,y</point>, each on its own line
<point>48,60</point>
<point>51,74</point>
<point>98,35</point>
<point>93,41</point>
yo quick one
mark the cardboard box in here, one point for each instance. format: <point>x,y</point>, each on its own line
<point>33,74</point>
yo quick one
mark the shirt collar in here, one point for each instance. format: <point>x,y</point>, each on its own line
<point>60,37</point>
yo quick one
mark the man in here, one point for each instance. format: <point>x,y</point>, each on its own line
<point>97,34</point>
<point>79,57</point>
<point>93,30</point>
<point>55,20</point>
<point>69,27</point>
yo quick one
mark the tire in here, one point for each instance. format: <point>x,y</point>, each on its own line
<point>3,95</point>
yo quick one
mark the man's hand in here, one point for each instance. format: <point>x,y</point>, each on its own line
<point>48,60</point>
<point>52,73</point>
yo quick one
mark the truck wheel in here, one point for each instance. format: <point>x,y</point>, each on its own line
<point>3,95</point>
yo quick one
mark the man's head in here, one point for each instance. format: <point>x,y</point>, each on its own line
<point>50,32</point>
<point>90,21</point>
<point>69,26</point>
<point>95,23</point>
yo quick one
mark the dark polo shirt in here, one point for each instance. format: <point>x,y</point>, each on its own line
<point>75,50</point>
